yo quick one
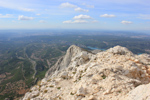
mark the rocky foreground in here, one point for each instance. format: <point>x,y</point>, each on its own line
<point>115,74</point>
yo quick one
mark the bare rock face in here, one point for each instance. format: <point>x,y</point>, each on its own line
<point>81,92</point>
<point>75,56</point>
<point>120,50</point>
<point>140,93</point>
<point>96,51</point>
<point>114,74</point>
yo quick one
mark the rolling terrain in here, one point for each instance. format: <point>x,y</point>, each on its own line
<point>25,58</point>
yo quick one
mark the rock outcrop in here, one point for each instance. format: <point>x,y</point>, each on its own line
<point>142,92</point>
<point>114,74</point>
<point>75,56</point>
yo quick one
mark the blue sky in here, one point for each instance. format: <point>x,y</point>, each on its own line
<point>75,14</point>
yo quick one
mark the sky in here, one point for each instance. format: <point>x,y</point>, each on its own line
<point>75,14</point>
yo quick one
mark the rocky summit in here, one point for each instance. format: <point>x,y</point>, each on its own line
<point>114,74</point>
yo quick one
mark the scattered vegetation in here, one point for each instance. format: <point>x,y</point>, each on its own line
<point>103,76</point>
<point>71,93</point>
<point>80,78</point>
<point>23,56</point>
<point>39,83</point>
<point>45,91</point>
<point>119,91</point>
<point>49,80</point>
<point>30,90</point>
<point>58,88</point>
<point>51,86</point>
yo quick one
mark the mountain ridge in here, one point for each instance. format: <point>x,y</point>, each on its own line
<point>82,75</point>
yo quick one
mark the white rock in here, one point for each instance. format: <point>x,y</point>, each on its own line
<point>108,75</point>
<point>64,75</point>
<point>142,92</point>
<point>34,94</point>
<point>81,92</point>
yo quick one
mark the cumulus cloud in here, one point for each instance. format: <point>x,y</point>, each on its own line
<point>22,17</point>
<point>75,21</point>
<point>82,17</point>
<point>81,10</point>
<point>27,9</point>
<point>6,16</point>
<point>107,15</point>
<point>42,21</point>
<point>68,5</point>
<point>80,21</point>
<point>68,21</point>
<point>126,22</point>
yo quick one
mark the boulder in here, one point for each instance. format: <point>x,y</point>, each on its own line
<point>141,92</point>
<point>81,92</point>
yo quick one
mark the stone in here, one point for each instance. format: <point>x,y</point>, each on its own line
<point>120,50</point>
<point>64,75</point>
<point>91,97</point>
<point>81,92</point>
<point>74,54</point>
<point>141,92</point>
<point>35,94</point>
<point>97,77</point>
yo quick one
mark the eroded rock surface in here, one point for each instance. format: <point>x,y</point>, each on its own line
<point>114,74</point>
<point>142,92</point>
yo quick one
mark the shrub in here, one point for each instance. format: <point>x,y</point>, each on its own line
<point>45,91</point>
<point>58,88</point>
<point>104,76</point>
<point>51,86</point>
<point>39,82</point>
<point>71,93</point>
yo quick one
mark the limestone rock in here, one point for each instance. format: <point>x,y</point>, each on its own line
<point>81,92</point>
<point>140,93</point>
<point>114,74</point>
<point>74,56</point>
<point>120,50</point>
<point>96,51</point>
<point>64,75</point>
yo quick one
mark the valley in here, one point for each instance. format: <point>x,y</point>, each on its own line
<point>24,60</point>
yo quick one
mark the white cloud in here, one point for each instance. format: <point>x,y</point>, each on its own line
<point>88,6</point>
<point>107,15</point>
<point>81,10</point>
<point>95,21</point>
<point>42,21</point>
<point>68,5</point>
<point>6,16</point>
<point>80,21</point>
<point>75,21</point>
<point>22,17</point>
<point>82,17</point>
<point>38,14</point>
<point>126,22</point>
<point>27,9</point>
<point>68,21</point>
<point>144,16</point>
